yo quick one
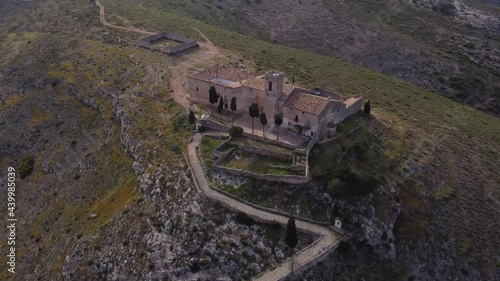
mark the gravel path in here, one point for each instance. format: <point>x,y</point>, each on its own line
<point>319,249</point>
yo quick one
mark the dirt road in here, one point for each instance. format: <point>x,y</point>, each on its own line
<point>103,20</point>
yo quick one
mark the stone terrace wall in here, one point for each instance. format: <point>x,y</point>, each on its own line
<point>218,153</point>
<point>223,128</point>
<point>264,152</point>
<point>269,141</point>
<point>214,125</point>
<point>302,268</point>
<point>186,43</point>
<point>271,178</point>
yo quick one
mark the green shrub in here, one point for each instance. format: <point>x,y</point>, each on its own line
<point>179,122</point>
<point>202,129</point>
<point>26,166</point>
<point>336,187</point>
<point>236,131</point>
<point>346,181</point>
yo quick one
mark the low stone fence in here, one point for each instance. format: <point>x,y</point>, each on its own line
<point>269,141</point>
<point>319,258</point>
<point>214,125</point>
<point>264,152</point>
<point>224,128</point>
<point>219,154</point>
<point>186,43</point>
<point>291,179</point>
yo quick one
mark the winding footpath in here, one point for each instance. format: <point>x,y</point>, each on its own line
<point>103,20</point>
<point>326,243</point>
<point>328,239</point>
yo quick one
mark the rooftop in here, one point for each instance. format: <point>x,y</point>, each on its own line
<point>303,100</point>
<point>351,101</point>
<point>223,81</point>
<point>257,83</point>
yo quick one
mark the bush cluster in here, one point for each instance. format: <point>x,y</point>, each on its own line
<point>26,166</point>
<point>346,181</point>
<point>236,131</point>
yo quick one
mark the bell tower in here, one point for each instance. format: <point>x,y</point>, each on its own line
<point>274,83</point>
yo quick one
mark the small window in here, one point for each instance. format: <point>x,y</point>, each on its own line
<point>197,89</point>
<point>302,112</point>
<point>312,134</point>
<point>270,86</point>
<point>296,118</point>
<point>289,123</point>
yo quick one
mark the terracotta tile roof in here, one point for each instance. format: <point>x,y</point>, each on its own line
<point>303,100</point>
<point>287,89</point>
<point>222,71</point>
<point>351,101</point>
<point>257,83</point>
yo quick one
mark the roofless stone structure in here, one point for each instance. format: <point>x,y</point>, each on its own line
<point>185,43</point>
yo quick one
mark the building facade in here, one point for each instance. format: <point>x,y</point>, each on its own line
<point>306,111</point>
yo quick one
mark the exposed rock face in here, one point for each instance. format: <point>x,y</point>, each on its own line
<point>171,232</point>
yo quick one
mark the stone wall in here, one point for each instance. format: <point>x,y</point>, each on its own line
<point>265,152</point>
<point>269,141</point>
<point>214,125</point>
<point>271,178</point>
<point>224,128</point>
<point>218,153</point>
<point>302,268</point>
<point>172,50</point>
<point>353,108</point>
<point>198,92</point>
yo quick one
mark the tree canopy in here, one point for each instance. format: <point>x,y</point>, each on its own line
<point>278,120</point>
<point>192,118</point>
<point>291,237</point>
<point>213,97</point>
<point>368,107</point>
<point>236,131</point>
<point>253,110</point>
<point>263,121</point>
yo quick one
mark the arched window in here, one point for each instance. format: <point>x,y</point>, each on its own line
<point>270,85</point>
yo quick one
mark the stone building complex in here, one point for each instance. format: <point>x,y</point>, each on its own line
<point>311,112</point>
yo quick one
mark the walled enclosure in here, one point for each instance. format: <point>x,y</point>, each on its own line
<point>291,179</point>
<point>186,43</point>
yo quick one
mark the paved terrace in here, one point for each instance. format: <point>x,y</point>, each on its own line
<point>245,121</point>
<point>327,242</point>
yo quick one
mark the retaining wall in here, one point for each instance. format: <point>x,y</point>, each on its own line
<point>272,178</point>
<point>291,179</point>
<point>304,267</point>
<point>264,151</point>
<point>224,128</point>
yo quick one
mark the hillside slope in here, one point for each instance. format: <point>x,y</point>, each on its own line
<point>447,47</point>
<point>95,112</point>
